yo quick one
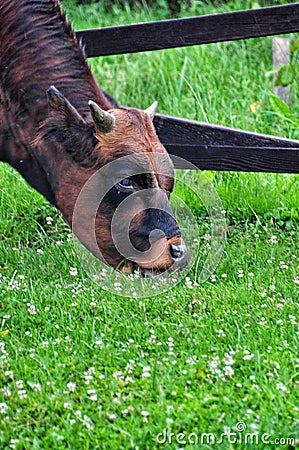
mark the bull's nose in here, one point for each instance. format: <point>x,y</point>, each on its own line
<point>177,251</point>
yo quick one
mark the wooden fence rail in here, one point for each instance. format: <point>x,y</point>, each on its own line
<point>208,146</point>
<point>191,31</point>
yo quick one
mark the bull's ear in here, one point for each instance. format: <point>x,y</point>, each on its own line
<point>58,104</point>
<point>67,128</point>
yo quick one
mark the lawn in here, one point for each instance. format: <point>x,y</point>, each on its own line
<point>209,364</point>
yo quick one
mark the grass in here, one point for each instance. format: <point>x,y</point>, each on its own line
<point>85,369</point>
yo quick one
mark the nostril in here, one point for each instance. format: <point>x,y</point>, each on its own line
<point>176,250</point>
<point>155,235</point>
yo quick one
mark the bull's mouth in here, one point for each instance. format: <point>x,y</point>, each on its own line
<point>148,273</point>
<point>132,268</point>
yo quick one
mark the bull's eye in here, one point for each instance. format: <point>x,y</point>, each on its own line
<point>126,185</point>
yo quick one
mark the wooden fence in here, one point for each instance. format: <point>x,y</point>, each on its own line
<point>208,146</point>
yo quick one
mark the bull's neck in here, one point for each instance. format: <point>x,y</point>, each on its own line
<point>39,49</point>
<point>65,177</point>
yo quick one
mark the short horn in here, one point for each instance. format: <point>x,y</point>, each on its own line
<point>151,110</point>
<point>104,121</point>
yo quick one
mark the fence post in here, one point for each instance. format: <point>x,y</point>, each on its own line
<point>281,56</point>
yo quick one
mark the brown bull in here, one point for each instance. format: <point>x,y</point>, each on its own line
<point>59,140</point>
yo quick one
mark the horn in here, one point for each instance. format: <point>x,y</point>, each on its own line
<point>151,110</point>
<point>104,121</point>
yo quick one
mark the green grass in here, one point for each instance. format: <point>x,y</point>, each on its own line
<point>74,358</point>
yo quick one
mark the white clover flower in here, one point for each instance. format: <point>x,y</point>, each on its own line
<point>2,347</point>
<point>228,360</point>
<point>35,386</point>
<point>73,271</point>
<point>221,333</point>
<point>214,363</point>
<point>87,422</point>
<point>13,443</point>
<point>91,391</point>
<point>71,386</point>
<point>146,372</point>
<point>8,373</point>
<point>129,380</point>
<point>229,371</point>
<point>118,375</point>
<point>6,392</point>
<point>189,283</point>
<point>22,393</point>
<point>31,309</point>
<point>280,386</point>
<point>3,408</point>
<point>192,360</point>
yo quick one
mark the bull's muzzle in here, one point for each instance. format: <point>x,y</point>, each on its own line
<point>166,254</point>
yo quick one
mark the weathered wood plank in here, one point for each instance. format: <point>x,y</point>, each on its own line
<point>191,31</point>
<point>174,130</point>
<point>244,159</point>
<point>211,147</point>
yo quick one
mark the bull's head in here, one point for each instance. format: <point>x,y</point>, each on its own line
<point>120,152</point>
